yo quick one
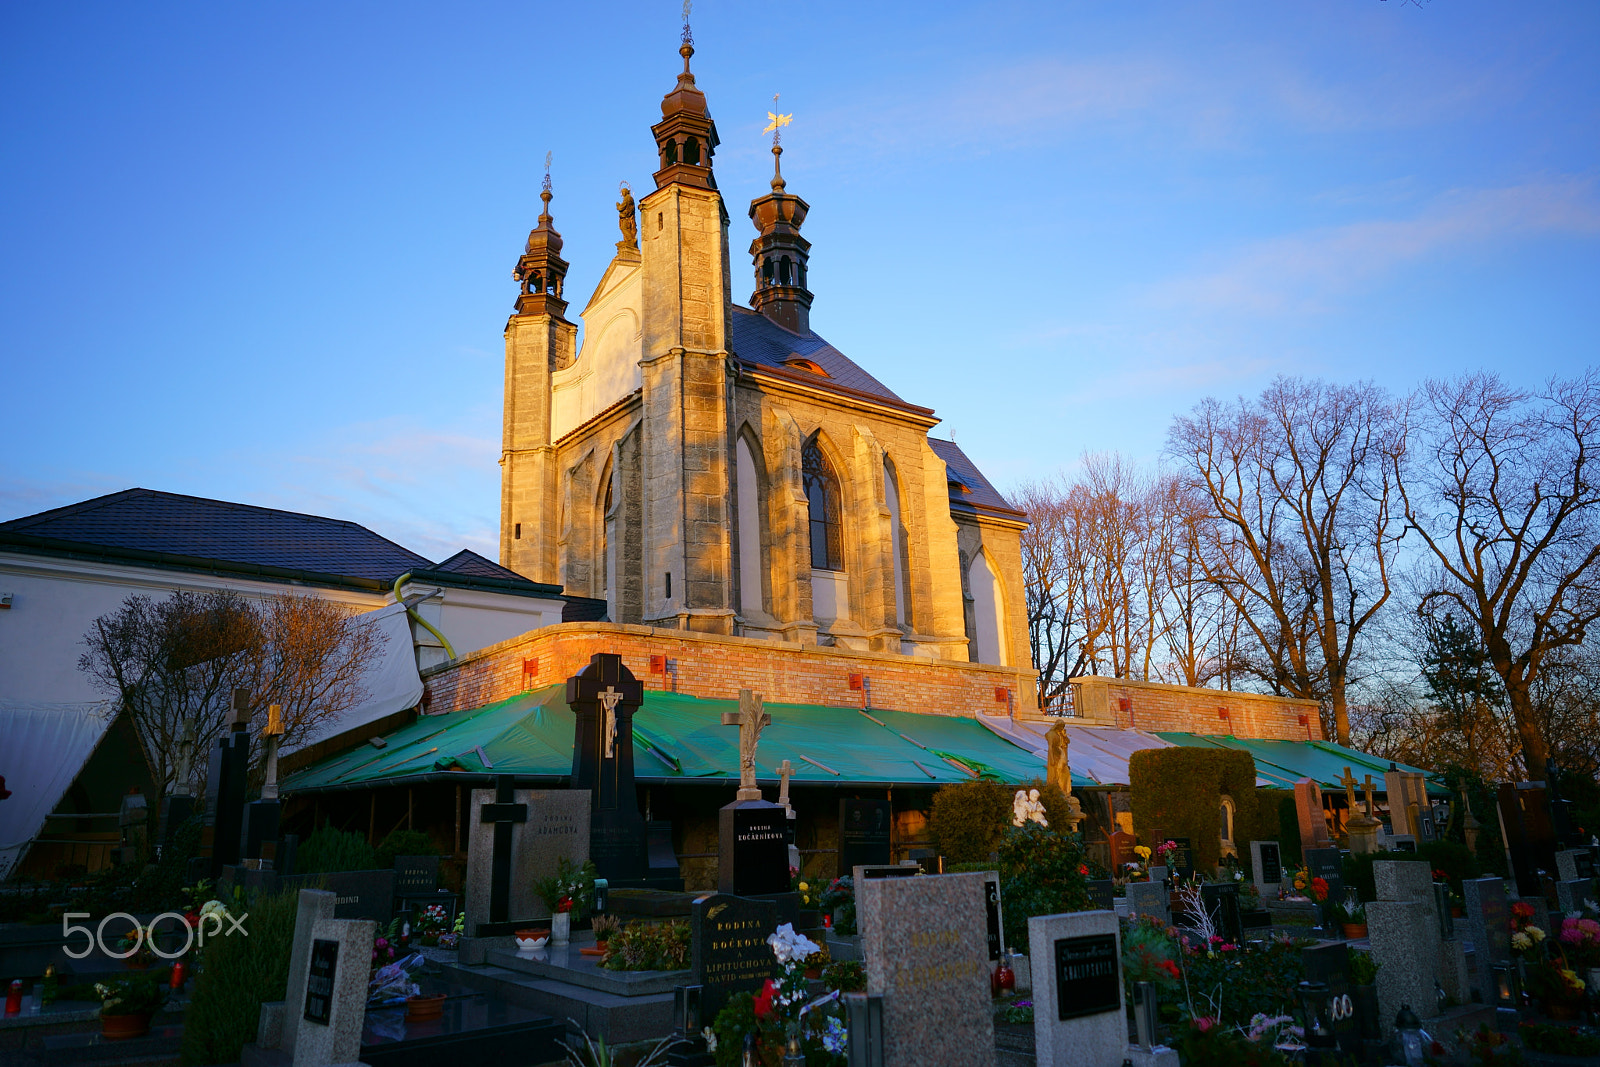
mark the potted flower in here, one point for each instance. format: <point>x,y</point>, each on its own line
<point>126,1006</point>
<point>136,943</point>
<point>604,926</point>
<point>1364,980</point>
<point>838,903</point>
<point>568,894</point>
<point>1351,915</point>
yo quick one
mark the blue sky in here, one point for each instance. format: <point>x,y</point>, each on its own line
<point>263,252</point>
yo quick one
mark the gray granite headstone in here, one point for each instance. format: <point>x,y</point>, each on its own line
<point>1078,1011</point>
<point>1407,959</point>
<point>1567,861</point>
<point>1151,899</point>
<point>334,1007</point>
<point>314,906</point>
<point>556,828</point>
<point>1485,920</point>
<point>1266,860</point>
<point>1410,880</point>
<point>927,956</point>
<point>1571,893</point>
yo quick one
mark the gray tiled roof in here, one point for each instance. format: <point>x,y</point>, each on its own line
<point>758,339</point>
<point>469,563</point>
<point>145,520</point>
<point>969,489</point>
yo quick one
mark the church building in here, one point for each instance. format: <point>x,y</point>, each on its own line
<point>708,467</point>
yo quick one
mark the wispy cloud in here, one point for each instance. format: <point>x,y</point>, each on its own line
<point>1306,272</point>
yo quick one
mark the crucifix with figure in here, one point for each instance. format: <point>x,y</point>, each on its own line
<point>750,720</point>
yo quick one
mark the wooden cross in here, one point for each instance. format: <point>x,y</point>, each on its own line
<point>750,720</point>
<point>785,769</point>
<point>1349,782</point>
<point>503,813</point>
<point>1367,787</point>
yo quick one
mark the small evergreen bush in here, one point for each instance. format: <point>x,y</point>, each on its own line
<point>330,849</point>
<point>1042,872</point>
<point>240,974</point>
<point>968,818</point>
<point>404,843</point>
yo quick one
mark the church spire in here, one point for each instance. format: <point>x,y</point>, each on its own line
<point>685,137</point>
<point>780,253</point>
<point>541,270</point>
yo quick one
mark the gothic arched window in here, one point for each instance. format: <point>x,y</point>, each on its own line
<point>822,496</point>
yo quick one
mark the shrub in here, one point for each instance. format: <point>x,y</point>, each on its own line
<point>330,849</point>
<point>1236,984</point>
<point>1453,858</point>
<point>1289,832</point>
<point>240,974</point>
<point>404,843</point>
<point>1559,1040</point>
<point>967,819</point>
<point>847,976</point>
<point>1206,1043</point>
<point>1177,793</point>
<point>1262,824</point>
<point>1042,872</point>
<point>649,947</point>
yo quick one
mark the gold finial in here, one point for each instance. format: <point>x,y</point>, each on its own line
<point>774,126</point>
<point>544,192</point>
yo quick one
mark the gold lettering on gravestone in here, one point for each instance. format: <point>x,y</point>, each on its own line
<point>910,977</point>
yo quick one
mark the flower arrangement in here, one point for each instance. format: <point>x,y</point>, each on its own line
<point>1165,849</point>
<point>778,1018</point>
<point>130,996</point>
<point>570,889</point>
<point>846,976</point>
<point>838,903</point>
<point>807,893</point>
<point>1350,910</point>
<point>1025,808</point>
<point>1580,940</point>
<point>432,922</point>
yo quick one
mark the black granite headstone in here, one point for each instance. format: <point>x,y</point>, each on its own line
<point>729,950</point>
<point>1102,893</point>
<point>1088,975</point>
<point>1530,836</point>
<point>1181,859</point>
<point>221,837</point>
<point>358,894</point>
<point>1330,962</point>
<point>1271,863</point>
<point>1221,902</point>
<point>753,857</point>
<point>319,983</point>
<point>602,762</point>
<point>993,932</point>
<point>863,833</point>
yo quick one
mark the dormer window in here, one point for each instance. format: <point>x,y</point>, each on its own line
<point>809,366</point>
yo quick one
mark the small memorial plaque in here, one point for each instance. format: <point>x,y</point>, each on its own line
<point>319,984</point>
<point>991,907</point>
<point>1088,981</point>
<point>1404,844</point>
<point>1271,863</point>
<point>1102,893</point>
<point>1181,859</point>
<point>863,833</point>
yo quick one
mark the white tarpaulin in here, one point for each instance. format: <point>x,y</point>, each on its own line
<point>391,679</point>
<point>42,749</point>
<point>1094,752</point>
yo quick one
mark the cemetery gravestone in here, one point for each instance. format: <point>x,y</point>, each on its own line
<point>1571,894</point>
<point>928,958</point>
<point>1078,1014</point>
<point>1308,809</point>
<point>518,836</point>
<point>222,831</point>
<point>334,1008</point>
<point>1401,934</point>
<point>753,834</point>
<point>1327,864</point>
<point>1102,893</point>
<point>1266,860</point>
<point>1221,902</point>
<point>1121,845</point>
<point>1486,917</point>
<point>1330,963</point>
<point>728,947</point>
<point>314,905</point>
<point>863,833</point>
<point>1529,835</point>
<point>603,697</point>
<point>1574,863</point>
<point>1181,858</point>
<point>994,921</point>
<point>1150,899</point>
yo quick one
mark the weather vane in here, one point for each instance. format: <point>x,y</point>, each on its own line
<point>547,156</point>
<point>688,37</point>
<point>776,123</point>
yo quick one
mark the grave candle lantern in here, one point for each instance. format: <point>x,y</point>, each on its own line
<point>1408,1035</point>
<point>1314,1002</point>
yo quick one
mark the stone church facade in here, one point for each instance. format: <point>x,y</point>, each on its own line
<point>704,466</point>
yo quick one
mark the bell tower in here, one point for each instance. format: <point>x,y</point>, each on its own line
<point>539,340</point>
<point>780,253</point>
<point>685,325</point>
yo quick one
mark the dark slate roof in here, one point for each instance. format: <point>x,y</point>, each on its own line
<point>470,563</point>
<point>969,489</point>
<point>757,339</point>
<point>582,609</point>
<point>198,529</point>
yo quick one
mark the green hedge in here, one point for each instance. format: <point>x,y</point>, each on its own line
<point>330,849</point>
<point>1177,793</point>
<point>239,974</point>
<point>968,819</point>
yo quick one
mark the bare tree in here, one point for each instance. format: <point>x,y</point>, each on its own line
<point>1299,483</point>
<point>1502,488</point>
<point>173,665</point>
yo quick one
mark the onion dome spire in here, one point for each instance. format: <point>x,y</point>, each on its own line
<point>780,253</point>
<point>540,270</point>
<point>686,137</point>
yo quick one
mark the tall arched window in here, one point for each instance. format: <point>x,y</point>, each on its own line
<point>605,541</point>
<point>822,496</point>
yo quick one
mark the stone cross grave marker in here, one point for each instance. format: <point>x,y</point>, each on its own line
<point>752,834</point>
<point>1076,961</point>
<point>331,1014</point>
<point>517,837</point>
<point>728,947</point>
<point>314,905</point>
<point>604,696</point>
<point>928,958</point>
<point>1308,809</point>
<point>1266,860</point>
<point>785,769</point>
<point>863,833</point>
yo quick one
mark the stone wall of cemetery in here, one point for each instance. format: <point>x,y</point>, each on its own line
<point>716,666</point>
<point>1124,704</point>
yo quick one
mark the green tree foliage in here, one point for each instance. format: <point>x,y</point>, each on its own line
<point>240,974</point>
<point>404,843</point>
<point>967,819</point>
<point>329,849</point>
<point>1177,792</point>
<point>1042,872</point>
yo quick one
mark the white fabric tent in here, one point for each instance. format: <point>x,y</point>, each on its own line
<point>42,749</point>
